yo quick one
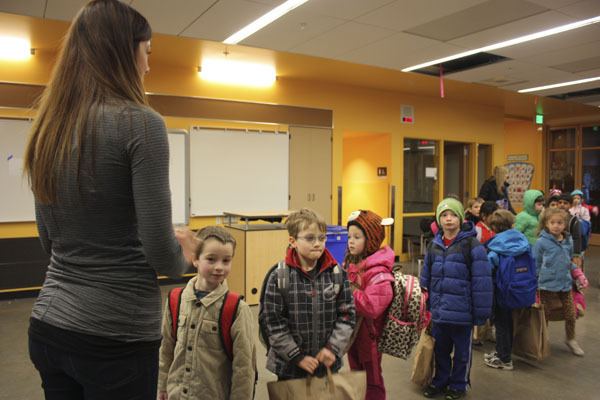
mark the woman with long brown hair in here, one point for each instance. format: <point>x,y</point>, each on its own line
<point>98,164</point>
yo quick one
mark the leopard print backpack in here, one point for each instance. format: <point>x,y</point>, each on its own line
<point>406,316</point>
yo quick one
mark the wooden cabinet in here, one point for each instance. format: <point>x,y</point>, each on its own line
<point>259,247</point>
<point>310,169</point>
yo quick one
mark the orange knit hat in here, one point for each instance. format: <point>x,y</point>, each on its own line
<point>371,225</point>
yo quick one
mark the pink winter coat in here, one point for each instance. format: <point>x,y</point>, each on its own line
<point>373,277</point>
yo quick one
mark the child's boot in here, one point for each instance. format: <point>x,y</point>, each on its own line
<point>575,348</point>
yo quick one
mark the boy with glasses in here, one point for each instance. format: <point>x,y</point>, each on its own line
<point>309,314</point>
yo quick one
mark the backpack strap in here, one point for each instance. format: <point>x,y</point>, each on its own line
<point>174,305</point>
<point>283,279</point>
<point>338,279</point>
<point>226,318</point>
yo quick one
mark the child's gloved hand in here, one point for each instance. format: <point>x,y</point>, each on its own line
<point>578,275</point>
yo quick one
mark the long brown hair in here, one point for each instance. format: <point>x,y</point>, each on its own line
<point>500,174</point>
<point>96,65</point>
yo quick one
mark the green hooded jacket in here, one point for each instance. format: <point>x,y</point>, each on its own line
<point>527,220</point>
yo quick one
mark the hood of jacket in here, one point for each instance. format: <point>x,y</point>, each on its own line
<point>325,261</point>
<point>467,229</point>
<point>383,257</point>
<point>529,201</point>
<point>510,242</point>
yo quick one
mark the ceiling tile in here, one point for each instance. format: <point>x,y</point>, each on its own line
<point>391,52</point>
<point>582,9</point>
<point>225,18</point>
<point>342,39</point>
<point>173,16</point>
<point>588,64</point>
<point>512,71</point>
<point>511,30</point>
<point>553,4</point>
<point>64,10</point>
<point>477,18</point>
<point>402,15</point>
<point>570,54</point>
<point>292,30</point>
<point>35,8</point>
<point>345,9</point>
<point>565,40</point>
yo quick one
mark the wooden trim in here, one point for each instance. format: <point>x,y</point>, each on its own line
<point>194,107</point>
<point>18,95</point>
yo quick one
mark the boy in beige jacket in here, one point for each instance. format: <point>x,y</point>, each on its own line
<point>195,363</point>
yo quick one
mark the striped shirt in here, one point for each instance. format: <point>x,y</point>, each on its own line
<point>110,232</point>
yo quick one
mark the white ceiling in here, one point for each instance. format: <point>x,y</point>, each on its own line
<point>390,33</point>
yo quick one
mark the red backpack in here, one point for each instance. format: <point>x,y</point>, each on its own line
<point>226,316</point>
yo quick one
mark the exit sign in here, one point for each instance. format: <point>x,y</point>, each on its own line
<point>539,119</point>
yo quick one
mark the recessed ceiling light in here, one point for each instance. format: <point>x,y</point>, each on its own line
<point>263,21</point>
<point>507,43</point>
<point>556,85</point>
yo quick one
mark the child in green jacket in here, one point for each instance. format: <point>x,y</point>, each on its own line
<point>527,220</point>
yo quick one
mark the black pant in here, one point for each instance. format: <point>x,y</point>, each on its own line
<point>504,332</point>
<point>68,376</point>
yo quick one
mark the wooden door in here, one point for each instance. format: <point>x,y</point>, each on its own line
<point>310,170</point>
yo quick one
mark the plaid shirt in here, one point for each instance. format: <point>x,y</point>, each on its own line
<point>311,318</point>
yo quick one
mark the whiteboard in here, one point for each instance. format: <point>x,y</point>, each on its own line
<point>16,201</point>
<point>179,176</point>
<point>238,171</point>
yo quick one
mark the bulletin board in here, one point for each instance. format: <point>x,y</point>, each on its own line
<point>238,171</point>
<point>16,201</point>
<point>520,175</point>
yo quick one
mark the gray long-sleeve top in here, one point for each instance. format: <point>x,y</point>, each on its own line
<point>110,235</point>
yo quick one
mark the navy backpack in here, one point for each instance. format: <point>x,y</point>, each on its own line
<point>516,282</point>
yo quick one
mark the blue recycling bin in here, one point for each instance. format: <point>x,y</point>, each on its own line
<point>337,242</point>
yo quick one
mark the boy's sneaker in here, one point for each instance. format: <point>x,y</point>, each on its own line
<point>452,394</point>
<point>575,348</point>
<point>489,356</point>
<point>497,363</point>
<point>432,391</point>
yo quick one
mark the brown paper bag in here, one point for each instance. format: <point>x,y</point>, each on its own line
<point>530,333</point>
<point>422,369</point>
<point>347,385</point>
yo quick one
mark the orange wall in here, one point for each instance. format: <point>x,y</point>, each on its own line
<point>362,188</point>
<point>355,109</point>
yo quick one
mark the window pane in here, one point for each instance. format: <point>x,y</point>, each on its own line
<point>562,166</point>
<point>591,183</point>
<point>420,175</point>
<point>591,136</point>
<point>562,138</point>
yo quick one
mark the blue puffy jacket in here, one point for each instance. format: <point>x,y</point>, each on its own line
<point>459,294</point>
<point>553,262</point>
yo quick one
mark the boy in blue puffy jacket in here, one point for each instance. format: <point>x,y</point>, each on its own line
<point>457,276</point>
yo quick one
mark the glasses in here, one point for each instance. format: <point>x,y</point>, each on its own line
<point>312,238</point>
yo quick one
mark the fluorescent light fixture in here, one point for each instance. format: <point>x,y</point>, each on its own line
<point>14,48</point>
<point>556,85</point>
<point>233,72</point>
<point>511,42</point>
<point>263,21</point>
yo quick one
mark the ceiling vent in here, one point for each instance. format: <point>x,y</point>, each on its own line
<point>579,96</point>
<point>463,64</point>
